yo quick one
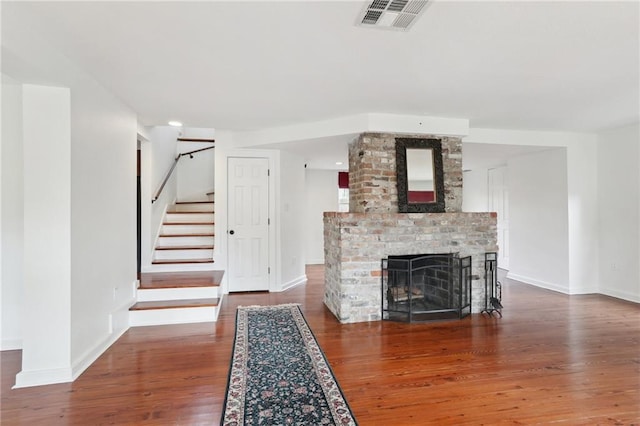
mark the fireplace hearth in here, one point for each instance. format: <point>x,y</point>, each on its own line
<point>426,287</point>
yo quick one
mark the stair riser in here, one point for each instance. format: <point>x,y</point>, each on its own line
<point>179,267</point>
<point>187,229</point>
<point>152,295</point>
<point>193,207</point>
<point>184,241</point>
<point>195,217</point>
<point>173,316</point>
<point>183,254</point>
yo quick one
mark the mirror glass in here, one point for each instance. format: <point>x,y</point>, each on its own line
<point>420,185</point>
<point>420,175</point>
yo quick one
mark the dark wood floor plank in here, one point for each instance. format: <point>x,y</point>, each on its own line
<point>551,359</point>
<point>151,280</point>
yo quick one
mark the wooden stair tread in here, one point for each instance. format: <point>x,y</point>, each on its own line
<point>174,304</point>
<point>188,223</point>
<point>202,234</point>
<point>180,261</point>
<point>194,202</point>
<point>188,212</point>
<point>155,280</point>
<point>201,247</point>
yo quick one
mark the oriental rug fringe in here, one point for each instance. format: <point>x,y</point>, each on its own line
<point>279,375</point>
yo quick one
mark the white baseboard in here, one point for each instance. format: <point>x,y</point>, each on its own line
<point>118,324</point>
<point>10,344</point>
<point>300,280</point>
<point>25,379</point>
<point>538,283</point>
<point>93,354</point>
<point>624,295</point>
<point>64,375</point>
<point>315,262</point>
<point>586,290</point>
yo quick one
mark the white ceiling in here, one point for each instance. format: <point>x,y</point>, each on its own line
<point>240,65</point>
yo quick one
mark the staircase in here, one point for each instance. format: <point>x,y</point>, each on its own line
<point>183,286</point>
<point>186,238</point>
<point>177,298</point>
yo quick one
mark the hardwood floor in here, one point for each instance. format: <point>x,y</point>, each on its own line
<point>551,359</point>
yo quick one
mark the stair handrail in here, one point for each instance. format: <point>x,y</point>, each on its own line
<point>173,166</point>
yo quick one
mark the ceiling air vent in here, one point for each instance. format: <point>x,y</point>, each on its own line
<point>391,14</point>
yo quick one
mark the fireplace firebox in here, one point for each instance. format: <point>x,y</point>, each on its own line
<point>426,287</point>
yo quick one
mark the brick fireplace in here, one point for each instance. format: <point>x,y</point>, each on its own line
<point>355,242</point>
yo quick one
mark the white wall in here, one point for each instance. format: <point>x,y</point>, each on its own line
<point>619,213</point>
<point>147,234</point>
<point>291,219</point>
<point>164,143</point>
<point>103,202</point>
<point>321,195</point>
<point>498,189</point>
<point>47,235</point>
<point>12,213</point>
<point>99,195</point>
<point>162,153</point>
<point>195,175</point>
<point>581,171</point>
<point>475,191</point>
<point>583,216</point>
<point>538,214</point>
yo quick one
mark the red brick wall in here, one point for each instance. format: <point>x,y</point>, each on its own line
<point>372,173</point>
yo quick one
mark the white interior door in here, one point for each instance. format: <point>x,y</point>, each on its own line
<point>499,203</point>
<point>248,224</point>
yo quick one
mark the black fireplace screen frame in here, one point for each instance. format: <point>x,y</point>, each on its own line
<point>426,287</point>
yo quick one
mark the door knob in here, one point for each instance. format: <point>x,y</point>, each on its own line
<point>232,232</point>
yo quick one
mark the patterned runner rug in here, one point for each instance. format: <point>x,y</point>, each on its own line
<point>279,375</point>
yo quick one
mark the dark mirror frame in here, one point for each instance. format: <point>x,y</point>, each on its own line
<point>401,170</point>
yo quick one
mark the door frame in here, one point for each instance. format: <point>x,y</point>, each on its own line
<point>144,148</point>
<point>503,222</point>
<point>221,212</point>
<point>138,213</point>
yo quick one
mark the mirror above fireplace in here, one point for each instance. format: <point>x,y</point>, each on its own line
<point>420,175</point>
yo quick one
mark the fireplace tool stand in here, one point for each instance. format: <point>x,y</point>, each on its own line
<point>492,287</point>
